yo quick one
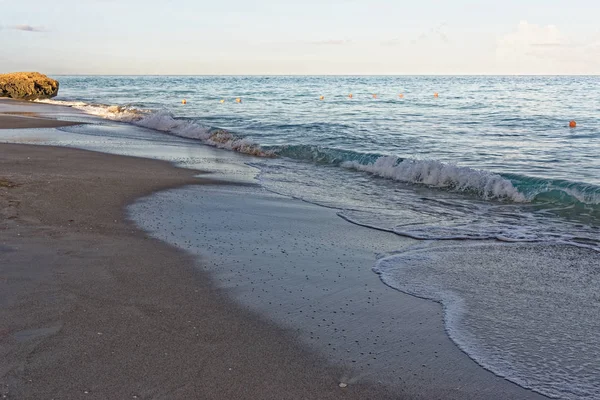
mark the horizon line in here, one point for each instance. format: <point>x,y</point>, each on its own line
<point>333,75</point>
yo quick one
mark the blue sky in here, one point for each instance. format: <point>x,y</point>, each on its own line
<point>300,37</point>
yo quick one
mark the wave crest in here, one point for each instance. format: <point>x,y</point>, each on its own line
<point>441,175</point>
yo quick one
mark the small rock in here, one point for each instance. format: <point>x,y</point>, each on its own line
<point>343,385</point>
<point>27,86</point>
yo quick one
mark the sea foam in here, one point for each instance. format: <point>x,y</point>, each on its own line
<point>164,121</point>
<point>525,311</point>
<point>438,174</point>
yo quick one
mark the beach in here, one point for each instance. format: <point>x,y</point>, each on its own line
<point>92,306</point>
<point>96,307</point>
<point>215,202</point>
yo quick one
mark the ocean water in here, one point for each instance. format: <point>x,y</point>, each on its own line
<point>502,194</point>
<point>491,157</point>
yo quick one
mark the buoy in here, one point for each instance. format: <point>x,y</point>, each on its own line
<point>572,124</point>
<point>350,96</point>
<point>374,96</point>
<point>435,94</point>
<point>184,101</point>
<point>401,95</point>
<point>238,100</point>
<point>322,98</point>
<point>222,101</point>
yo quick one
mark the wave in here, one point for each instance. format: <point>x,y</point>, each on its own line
<point>483,184</point>
<point>164,121</point>
<point>557,191</point>
<point>437,174</point>
<point>323,155</point>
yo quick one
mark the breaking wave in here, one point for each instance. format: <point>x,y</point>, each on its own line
<point>433,173</point>
<point>164,121</point>
<point>581,197</point>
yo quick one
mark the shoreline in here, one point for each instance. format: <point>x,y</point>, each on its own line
<point>306,269</point>
<point>321,374</point>
<point>18,114</point>
<point>93,306</point>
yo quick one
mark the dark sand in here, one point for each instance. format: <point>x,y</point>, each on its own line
<point>91,307</point>
<point>23,114</point>
<point>19,122</point>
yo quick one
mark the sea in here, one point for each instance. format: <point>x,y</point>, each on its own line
<point>485,173</point>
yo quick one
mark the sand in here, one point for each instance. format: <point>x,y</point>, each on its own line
<point>20,122</point>
<point>93,307</point>
<point>16,114</point>
<point>307,269</point>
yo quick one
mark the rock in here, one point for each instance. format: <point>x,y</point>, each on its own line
<point>27,86</point>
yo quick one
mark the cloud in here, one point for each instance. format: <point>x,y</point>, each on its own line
<point>27,28</point>
<point>533,48</point>
<point>529,36</point>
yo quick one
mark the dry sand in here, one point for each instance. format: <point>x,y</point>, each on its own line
<point>91,307</point>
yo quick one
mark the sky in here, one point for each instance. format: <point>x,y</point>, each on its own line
<point>266,37</point>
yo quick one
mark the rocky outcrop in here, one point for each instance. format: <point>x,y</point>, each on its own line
<point>27,86</point>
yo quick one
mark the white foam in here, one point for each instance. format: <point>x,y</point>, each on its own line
<point>527,312</point>
<point>165,122</point>
<point>115,113</point>
<point>437,174</point>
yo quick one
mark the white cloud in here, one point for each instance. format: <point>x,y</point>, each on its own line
<point>535,49</point>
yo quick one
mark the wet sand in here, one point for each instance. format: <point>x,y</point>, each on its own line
<point>21,114</point>
<point>92,306</point>
<point>20,122</point>
<point>309,270</point>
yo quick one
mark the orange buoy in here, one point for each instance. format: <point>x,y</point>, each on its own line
<point>238,100</point>
<point>374,96</point>
<point>350,96</point>
<point>401,95</point>
<point>572,124</point>
<point>322,98</point>
<point>435,95</point>
<point>184,101</point>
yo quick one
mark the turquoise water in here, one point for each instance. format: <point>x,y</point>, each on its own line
<point>493,157</point>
